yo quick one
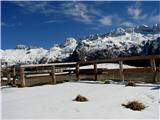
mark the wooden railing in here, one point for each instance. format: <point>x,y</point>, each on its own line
<point>151,58</point>
<point>23,72</point>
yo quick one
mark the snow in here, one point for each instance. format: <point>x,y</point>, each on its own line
<point>15,56</point>
<point>107,66</point>
<point>56,101</point>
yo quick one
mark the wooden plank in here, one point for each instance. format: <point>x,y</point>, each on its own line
<point>53,75</point>
<point>77,71</point>
<point>121,70</point>
<point>71,71</point>
<point>62,73</point>
<point>95,71</point>
<point>129,70</point>
<point>45,74</point>
<point>122,59</point>
<point>45,65</point>
<point>22,77</point>
<point>144,69</point>
<point>37,75</point>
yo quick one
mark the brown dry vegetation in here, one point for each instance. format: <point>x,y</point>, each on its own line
<point>131,83</point>
<point>134,105</point>
<point>80,98</point>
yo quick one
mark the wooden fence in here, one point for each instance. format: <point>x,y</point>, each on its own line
<point>51,73</point>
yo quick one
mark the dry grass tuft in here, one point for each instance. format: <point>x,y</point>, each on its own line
<point>134,105</point>
<point>107,82</point>
<point>131,83</point>
<point>80,98</point>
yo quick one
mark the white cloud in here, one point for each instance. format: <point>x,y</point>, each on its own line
<point>128,24</point>
<point>3,24</point>
<point>36,6</point>
<point>154,18</point>
<point>136,12</point>
<point>78,11</point>
<point>106,20</point>
<point>109,20</point>
<point>51,21</point>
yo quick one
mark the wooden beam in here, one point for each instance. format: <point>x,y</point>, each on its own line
<point>45,74</point>
<point>123,59</point>
<point>121,70</point>
<point>153,66</point>
<point>53,81</point>
<point>22,77</point>
<point>95,71</point>
<point>77,71</point>
<point>45,65</point>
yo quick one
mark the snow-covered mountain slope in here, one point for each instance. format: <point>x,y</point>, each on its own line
<point>23,56</point>
<point>59,54</point>
<point>141,40</point>
<point>32,55</point>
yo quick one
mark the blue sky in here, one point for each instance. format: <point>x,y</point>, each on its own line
<point>45,23</point>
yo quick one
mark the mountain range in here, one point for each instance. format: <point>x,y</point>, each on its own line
<point>141,40</point>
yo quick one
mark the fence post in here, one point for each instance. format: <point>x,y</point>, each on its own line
<point>95,71</point>
<point>14,75</point>
<point>22,77</point>
<point>153,67</point>
<point>121,70</point>
<point>8,75</point>
<point>53,81</point>
<point>77,71</point>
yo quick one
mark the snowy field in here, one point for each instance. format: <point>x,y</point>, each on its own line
<point>56,101</point>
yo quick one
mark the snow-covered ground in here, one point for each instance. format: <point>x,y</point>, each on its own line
<point>56,101</point>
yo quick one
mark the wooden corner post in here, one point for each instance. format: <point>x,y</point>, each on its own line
<point>95,71</point>
<point>121,70</point>
<point>77,71</point>
<point>53,81</point>
<point>22,77</point>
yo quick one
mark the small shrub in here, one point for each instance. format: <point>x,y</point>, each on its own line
<point>19,86</point>
<point>80,98</point>
<point>131,83</point>
<point>106,82</point>
<point>134,105</point>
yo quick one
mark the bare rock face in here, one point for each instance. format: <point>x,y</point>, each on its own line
<point>141,40</point>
